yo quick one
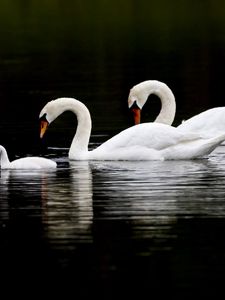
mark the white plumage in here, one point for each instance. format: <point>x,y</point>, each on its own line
<point>209,123</point>
<point>25,162</point>
<point>148,141</point>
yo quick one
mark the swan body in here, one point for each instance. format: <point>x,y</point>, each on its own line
<point>209,123</point>
<point>147,141</point>
<point>25,162</point>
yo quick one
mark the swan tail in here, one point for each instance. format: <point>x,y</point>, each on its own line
<point>214,143</point>
<point>206,146</point>
<point>193,149</point>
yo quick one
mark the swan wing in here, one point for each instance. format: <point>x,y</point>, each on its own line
<point>154,141</point>
<point>150,135</point>
<point>192,149</point>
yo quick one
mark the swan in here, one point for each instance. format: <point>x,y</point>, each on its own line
<point>146,141</point>
<point>25,162</point>
<point>209,123</point>
<point>139,95</point>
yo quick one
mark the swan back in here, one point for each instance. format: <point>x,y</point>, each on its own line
<point>33,163</point>
<point>139,94</point>
<point>25,162</point>
<point>210,122</point>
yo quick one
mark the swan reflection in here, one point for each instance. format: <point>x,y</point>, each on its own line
<point>148,197</point>
<point>62,198</point>
<point>68,213</point>
<point>4,207</point>
<point>158,190</point>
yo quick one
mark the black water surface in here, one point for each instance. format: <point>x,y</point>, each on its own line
<point>111,229</point>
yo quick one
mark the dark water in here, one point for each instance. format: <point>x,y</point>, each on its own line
<point>109,229</point>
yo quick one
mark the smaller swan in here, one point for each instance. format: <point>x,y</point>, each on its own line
<point>146,141</point>
<point>25,162</point>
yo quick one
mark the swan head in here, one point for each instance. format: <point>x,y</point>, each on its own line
<point>139,93</point>
<point>49,113</point>
<point>56,107</point>
<point>136,100</point>
<point>136,111</point>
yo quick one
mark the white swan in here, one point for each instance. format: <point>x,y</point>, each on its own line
<point>209,123</point>
<point>148,141</point>
<point>25,162</point>
<point>139,95</point>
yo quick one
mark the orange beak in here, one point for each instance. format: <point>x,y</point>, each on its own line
<point>44,126</point>
<point>137,115</point>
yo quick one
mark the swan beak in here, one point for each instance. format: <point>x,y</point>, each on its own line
<point>136,114</point>
<point>44,126</point>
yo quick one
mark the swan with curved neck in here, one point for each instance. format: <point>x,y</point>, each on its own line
<point>209,123</point>
<point>148,141</point>
<point>139,94</point>
<point>25,162</point>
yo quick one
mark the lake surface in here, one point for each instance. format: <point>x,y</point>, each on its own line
<point>113,229</point>
<point>109,229</point>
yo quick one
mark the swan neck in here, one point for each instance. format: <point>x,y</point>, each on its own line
<point>79,145</point>
<point>168,105</point>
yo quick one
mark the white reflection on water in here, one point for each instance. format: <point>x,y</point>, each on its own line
<point>68,209</point>
<point>63,198</point>
<point>163,189</point>
<point>153,193</point>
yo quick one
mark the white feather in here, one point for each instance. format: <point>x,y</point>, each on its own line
<point>25,162</point>
<point>148,141</point>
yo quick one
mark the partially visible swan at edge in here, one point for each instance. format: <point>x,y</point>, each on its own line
<point>147,141</point>
<point>25,162</point>
<point>210,122</point>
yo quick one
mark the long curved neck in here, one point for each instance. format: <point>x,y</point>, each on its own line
<point>4,160</point>
<point>168,103</point>
<point>168,108</point>
<point>79,145</point>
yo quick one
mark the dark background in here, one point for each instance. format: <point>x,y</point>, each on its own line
<point>96,51</point>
